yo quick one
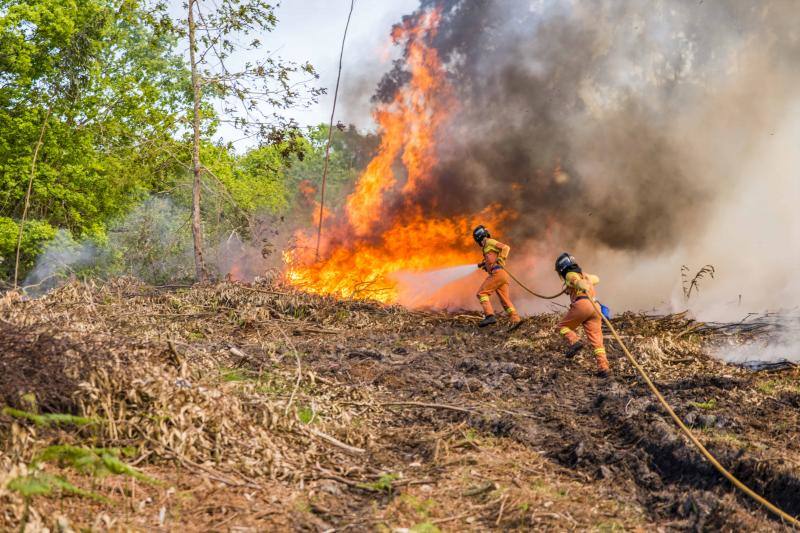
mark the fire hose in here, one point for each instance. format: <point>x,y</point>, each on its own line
<point>686,431</point>
<point>534,293</point>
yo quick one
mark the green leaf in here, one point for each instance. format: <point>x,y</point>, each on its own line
<point>41,484</point>
<point>48,419</point>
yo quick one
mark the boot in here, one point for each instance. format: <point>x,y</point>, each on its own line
<point>603,370</point>
<point>488,320</point>
<point>573,349</point>
<point>515,324</point>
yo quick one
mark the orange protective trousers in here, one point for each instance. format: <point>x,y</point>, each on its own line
<point>497,282</point>
<point>582,313</point>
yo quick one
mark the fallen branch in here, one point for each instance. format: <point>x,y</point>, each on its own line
<point>335,442</point>
<point>299,369</point>
<point>431,405</point>
<point>216,476</point>
<point>263,291</point>
<point>314,330</point>
<point>689,329</point>
<point>327,474</point>
<point>502,508</point>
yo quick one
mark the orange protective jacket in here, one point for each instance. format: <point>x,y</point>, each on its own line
<point>580,284</point>
<point>495,254</point>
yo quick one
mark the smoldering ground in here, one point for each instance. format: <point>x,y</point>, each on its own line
<point>639,137</point>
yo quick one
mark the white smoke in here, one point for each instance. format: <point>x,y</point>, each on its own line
<point>61,257</point>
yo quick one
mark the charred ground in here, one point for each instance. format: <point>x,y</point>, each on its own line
<point>239,408</point>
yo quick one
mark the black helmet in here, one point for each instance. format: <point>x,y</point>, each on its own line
<point>480,233</point>
<point>566,263</point>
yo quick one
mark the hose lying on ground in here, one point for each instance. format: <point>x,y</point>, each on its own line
<point>686,431</point>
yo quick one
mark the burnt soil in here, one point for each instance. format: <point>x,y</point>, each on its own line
<point>451,427</point>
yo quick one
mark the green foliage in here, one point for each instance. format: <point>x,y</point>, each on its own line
<point>41,484</point>
<point>422,508</point>
<point>35,235</point>
<point>241,186</point>
<point>383,484</point>
<point>235,374</point>
<point>104,81</point>
<point>350,153</point>
<point>773,385</point>
<point>425,527</point>
<point>101,76</point>
<point>93,461</point>
<point>767,387</point>
<point>708,406</point>
<point>471,435</point>
<point>49,419</point>
<point>305,414</point>
<point>152,243</point>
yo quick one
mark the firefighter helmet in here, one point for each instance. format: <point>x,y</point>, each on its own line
<point>480,233</point>
<point>566,263</point>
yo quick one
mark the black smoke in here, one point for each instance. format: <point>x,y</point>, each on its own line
<point>584,114</point>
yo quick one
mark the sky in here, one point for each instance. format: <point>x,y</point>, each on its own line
<point>311,30</point>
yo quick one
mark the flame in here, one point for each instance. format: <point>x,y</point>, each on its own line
<point>365,246</point>
<point>408,125</point>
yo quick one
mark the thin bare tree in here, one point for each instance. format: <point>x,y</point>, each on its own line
<point>252,93</point>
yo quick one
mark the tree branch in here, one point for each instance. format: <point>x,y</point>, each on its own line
<point>28,194</point>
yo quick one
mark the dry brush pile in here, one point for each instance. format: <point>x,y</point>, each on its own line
<point>160,377</point>
<point>262,407</point>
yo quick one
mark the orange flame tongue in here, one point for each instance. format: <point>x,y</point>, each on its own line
<point>408,125</point>
<point>365,270</point>
<point>363,264</point>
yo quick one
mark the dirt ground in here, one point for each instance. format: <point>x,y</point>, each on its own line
<point>260,408</point>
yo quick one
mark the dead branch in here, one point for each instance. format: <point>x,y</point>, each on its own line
<point>334,441</point>
<point>431,405</point>
<point>290,344</point>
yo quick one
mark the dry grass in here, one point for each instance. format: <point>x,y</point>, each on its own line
<point>265,408</point>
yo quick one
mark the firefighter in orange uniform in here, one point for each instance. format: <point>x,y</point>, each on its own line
<point>580,287</point>
<point>495,254</point>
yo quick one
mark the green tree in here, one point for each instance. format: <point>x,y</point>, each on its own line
<point>104,78</point>
<point>351,150</point>
<point>252,95</point>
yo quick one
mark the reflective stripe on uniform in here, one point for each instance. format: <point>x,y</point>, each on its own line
<point>510,310</point>
<point>483,298</point>
<point>598,351</point>
<point>564,330</point>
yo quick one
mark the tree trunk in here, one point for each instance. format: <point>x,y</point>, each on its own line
<point>197,169</point>
<point>28,194</point>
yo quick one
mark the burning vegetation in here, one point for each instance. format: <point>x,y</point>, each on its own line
<point>325,395</point>
<point>381,231</point>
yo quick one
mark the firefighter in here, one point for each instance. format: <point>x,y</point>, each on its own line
<point>495,254</point>
<point>580,287</point>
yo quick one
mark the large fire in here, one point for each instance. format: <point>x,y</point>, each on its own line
<point>362,251</point>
